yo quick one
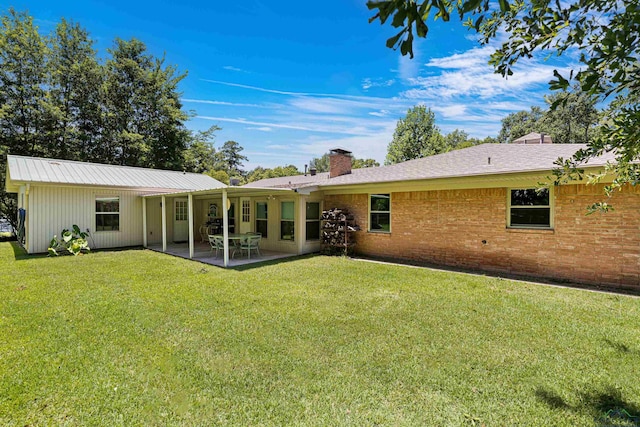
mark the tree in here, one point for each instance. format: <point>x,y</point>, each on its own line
<point>416,136</point>
<point>200,155</point>
<point>604,34</point>
<point>57,100</point>
<point>277,172</point>
<point>144,121</point>
<point>519,124</point>
<point>364,163</point>
<point>231,157</point>
<point>22,80</point>
<point>573,120</point>
<point>321,164</point>
<point>23,102</point>
<point>75,94</point>
<point>220,175</point>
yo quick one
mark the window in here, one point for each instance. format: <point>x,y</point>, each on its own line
<point>380,213</point>
<point>181,210</point>
<point>529,208</point>
<point>246,211</point>
<point>287,224</point>
<point>313,221</point>
<point>261,218</point>
<point>107,213</point>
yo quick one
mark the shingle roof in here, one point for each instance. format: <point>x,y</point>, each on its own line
<point>532,138</point>
<point>40,170</point>
<point>484,159</point>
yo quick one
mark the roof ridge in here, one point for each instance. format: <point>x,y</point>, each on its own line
<point>49,160</point>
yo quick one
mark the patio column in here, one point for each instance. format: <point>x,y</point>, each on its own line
<point>164,224</point>
<point>144,222</point>
<point>190,225</point>
<point>225,227</point>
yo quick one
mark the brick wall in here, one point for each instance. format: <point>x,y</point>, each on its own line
<point>339,164</point>
<point>448,227</point>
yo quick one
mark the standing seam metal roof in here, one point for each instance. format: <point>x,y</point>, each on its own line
<point>41,170</point>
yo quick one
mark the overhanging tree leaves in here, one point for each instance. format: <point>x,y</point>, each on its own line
<point>604,33</point>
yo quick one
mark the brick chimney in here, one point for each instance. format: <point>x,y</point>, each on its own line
<point>339,162</point>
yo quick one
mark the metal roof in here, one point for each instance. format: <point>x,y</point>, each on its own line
<point>40,170</point>
<point>484,159</point>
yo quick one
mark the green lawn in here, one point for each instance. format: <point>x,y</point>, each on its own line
<point>140,338</point>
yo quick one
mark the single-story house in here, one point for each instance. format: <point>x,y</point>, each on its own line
<point>475,208</point>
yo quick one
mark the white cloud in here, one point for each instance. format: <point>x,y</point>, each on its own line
<point>211,102</point>
<point>261,128</point>
<point>368,83</point>
<point>236,69</point>
<point>381,113</point>
<point>455,110</point>
<point>471,58</point>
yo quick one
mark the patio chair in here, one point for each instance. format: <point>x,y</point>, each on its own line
<point>216,243</point>
<point>251,243</point>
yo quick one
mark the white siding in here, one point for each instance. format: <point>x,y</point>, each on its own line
<point>52,209</point>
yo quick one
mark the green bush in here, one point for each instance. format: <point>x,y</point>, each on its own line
<point>74,242</point>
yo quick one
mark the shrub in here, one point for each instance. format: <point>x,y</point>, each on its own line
<point>74,242</point>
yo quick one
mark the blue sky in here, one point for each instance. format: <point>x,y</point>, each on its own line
<point>291,80</point>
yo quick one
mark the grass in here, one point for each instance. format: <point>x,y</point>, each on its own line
<point>140,338</point>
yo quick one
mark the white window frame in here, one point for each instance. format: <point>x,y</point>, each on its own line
<point>531,227</point>
<point>246,210</point>
<point>287,220</point>
<point>372,211</point>
<point>96,213</point>
<point>266,220</point>
<point>319,221</point>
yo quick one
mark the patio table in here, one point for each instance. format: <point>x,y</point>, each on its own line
<point>234,240</point>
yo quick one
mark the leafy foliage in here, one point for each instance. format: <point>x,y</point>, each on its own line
<point>416,136</point>
<point>570,118</point>
<point>364,163</point>
<point>57,100</point>
<point>279,171</point>
<point>200,155</point>
<point>321,164</point>
<point>519,124</point>
<point>231,158</point>
<point>605,35</point>
<point>73,241</point>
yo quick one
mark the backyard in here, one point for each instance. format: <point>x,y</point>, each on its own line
<point>136,337</point>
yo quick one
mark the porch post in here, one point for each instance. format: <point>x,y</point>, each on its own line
<point>225,227</point>
<point>144,222</point>
<point>190,225</point>
<point>164,224</point>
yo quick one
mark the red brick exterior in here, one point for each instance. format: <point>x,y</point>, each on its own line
<point>339,164</point>
<point>448,227</point>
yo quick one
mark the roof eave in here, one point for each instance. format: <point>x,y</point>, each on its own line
<point>509,174</point>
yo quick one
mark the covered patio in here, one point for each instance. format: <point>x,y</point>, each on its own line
<point>204,254</point>
<point>180,223</point>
